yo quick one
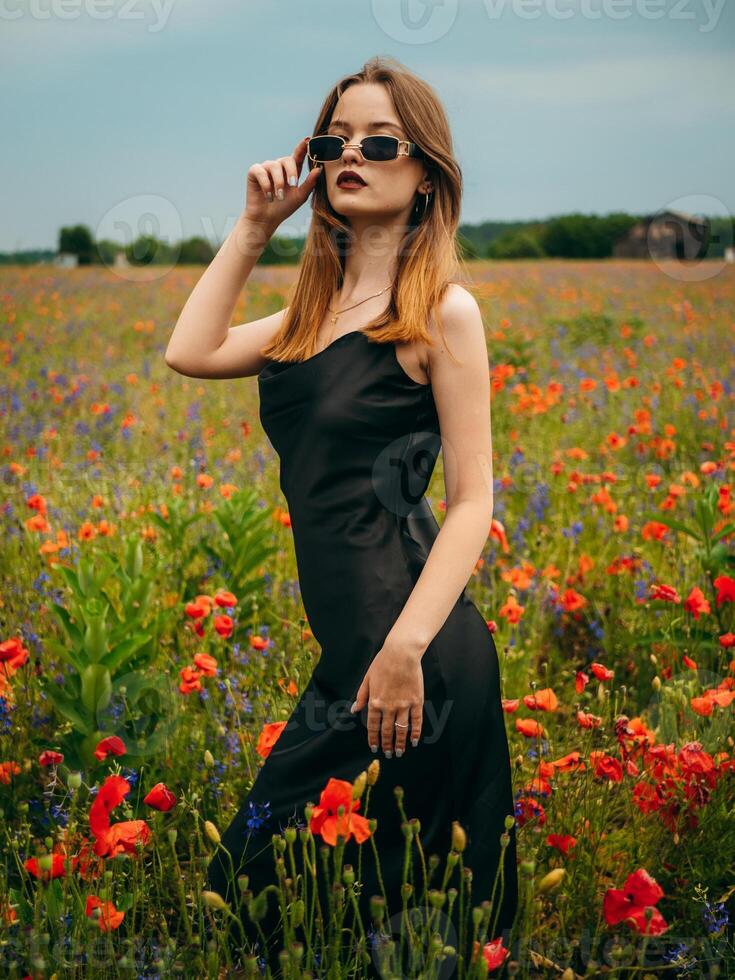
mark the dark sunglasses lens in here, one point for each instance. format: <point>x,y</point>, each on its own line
<point>324,148</point>
<point>380,147</point>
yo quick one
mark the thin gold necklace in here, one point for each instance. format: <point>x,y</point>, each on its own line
<point>340,312</point>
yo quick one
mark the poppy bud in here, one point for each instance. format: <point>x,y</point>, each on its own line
<point>459,837</point>
<point>214,901</point>
<point>551,881</point>
<point>212,832</point>
<point>358,787</point>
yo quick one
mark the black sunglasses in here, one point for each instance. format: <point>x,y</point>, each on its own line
<point>322,149</point>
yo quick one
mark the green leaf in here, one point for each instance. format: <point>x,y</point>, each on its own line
<point>723,533</point>
<point>64,619</point>
<point>97,631</point>
<point>124,651</point>
<point>96,688</point>
<point>74,713</point>
<point>63,651</point>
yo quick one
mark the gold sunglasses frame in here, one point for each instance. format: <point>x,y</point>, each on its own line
<point>414,150</point>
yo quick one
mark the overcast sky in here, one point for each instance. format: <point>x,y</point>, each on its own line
<point>144,115</point>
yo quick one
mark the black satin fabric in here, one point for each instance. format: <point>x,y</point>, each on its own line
<point>358,440</point>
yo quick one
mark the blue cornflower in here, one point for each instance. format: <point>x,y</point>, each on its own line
<point>678,956</point>
<point>6,722</point>
<point>130,774</point>
<point>59,814</point>
<point>260,814</point>
<point>715,917</point>
<point>573,531</point>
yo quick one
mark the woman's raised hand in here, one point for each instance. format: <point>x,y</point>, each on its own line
<point>279,179</point>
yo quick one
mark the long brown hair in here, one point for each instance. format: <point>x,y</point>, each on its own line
<point>428,257</point>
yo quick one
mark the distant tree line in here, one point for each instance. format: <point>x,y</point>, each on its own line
<point>571,236</point>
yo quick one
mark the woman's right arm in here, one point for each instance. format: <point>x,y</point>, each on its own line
<point>203,345</point>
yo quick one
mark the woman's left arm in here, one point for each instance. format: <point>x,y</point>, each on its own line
<point>462,395</point>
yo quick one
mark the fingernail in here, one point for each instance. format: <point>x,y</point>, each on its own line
<point>414,742</point>
<point>399,753</point>
<point>354,705</point>
<point>269,195</point>
<point>280,194</point>
<point>292,181</point>
<point>388,753</point>
<point>374,748</point>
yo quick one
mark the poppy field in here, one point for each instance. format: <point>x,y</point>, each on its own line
<point>153,642</point>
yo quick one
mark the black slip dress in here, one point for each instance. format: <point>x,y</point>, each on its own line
<point>358,440</point>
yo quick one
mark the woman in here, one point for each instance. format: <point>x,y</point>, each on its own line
<point>377,363</point>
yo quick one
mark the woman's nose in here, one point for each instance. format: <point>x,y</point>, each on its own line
<point>351,154</point>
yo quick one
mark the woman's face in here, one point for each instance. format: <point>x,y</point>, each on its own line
<point>390,185</point>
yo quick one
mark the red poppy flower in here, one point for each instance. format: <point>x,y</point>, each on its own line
<point>667,593</point>
<point>325,819</point>
<point>57,869</point>
<point>587,720</point>
<point>120,837</point>
<point>224,599</point>
<point>725,589</point>
<point>530,728</point>
<point>13,654</point>
<point>697,604</point>
<point>109,918</point>
<point>544,700</point>
<point>562,842</point>
<point>160,797</point>
<point>494,954</point>
<point>189,680</point>
<point>629,903</point>
<point>268,737</point>
<point>606,766</point>
<point>223,625</point>
<point>206,664</point>
<point>527,809</point>
<point>111,745</point>
<point>570,600</point>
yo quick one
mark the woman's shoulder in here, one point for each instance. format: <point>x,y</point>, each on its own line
<point>457,311</point>
<point>456,300</point>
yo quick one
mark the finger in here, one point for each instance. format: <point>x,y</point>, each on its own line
<point>291,171</point>
<point>311,178</point>
<point>360,697</point>
<point>388,731</point>
<point>404,719</point>
<point>275,169</point>
<point>373,725</point>
<point>300,151</point>
<point>417,717</point>
<point>262,177</point>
